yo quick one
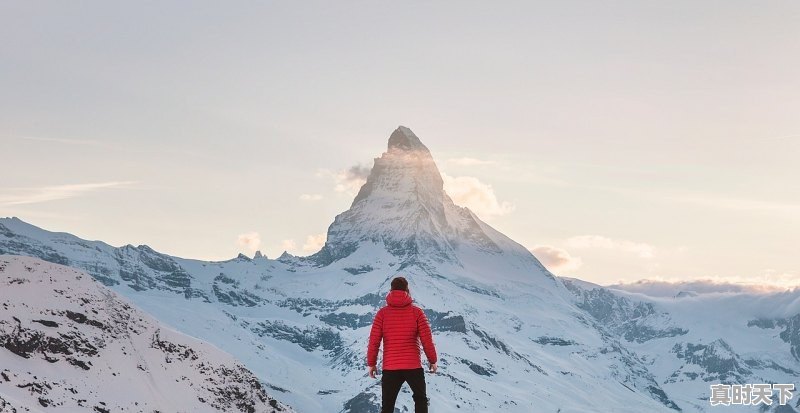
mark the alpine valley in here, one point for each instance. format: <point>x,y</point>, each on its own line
<point>511,336</point>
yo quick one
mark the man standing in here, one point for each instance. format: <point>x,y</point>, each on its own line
<point>401,326</point>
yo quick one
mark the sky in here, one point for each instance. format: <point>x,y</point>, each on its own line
<point>618,140</point>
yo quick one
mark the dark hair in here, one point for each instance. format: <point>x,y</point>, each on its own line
<point>399,283</point>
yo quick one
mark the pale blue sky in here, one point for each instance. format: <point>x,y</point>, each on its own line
<point>623,140</point>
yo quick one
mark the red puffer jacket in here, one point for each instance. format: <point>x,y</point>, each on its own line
<point>402,326</point>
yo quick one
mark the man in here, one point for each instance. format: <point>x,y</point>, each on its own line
<point>401,326</point>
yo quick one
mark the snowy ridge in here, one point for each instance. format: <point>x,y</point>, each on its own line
<point>68,343</point>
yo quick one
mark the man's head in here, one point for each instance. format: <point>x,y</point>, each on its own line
<point>400,283</point>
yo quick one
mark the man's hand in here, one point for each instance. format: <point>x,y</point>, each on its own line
<point>372,370</point>
<point>433,368</point>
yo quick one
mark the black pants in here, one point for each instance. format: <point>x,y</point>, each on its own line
<point>392,381</point>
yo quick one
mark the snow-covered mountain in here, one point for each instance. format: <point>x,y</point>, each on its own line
<point>402,209</point>
<point>68,343</point>
<point>690,341</point>
<point>511,336</point>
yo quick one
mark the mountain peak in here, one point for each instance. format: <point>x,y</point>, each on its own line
<point>403,209</point>
<point>403,138</point>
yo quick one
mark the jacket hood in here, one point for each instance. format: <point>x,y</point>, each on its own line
<point>398,298</point>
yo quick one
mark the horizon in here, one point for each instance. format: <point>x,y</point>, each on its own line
<point>648,286</point>
<point>649,142</point>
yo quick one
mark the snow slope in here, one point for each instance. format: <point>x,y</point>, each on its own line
<point>67,343</point>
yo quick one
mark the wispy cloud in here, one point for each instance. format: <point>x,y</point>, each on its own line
<point>479,197</point>
<point>311,197</point>
<point>249,240</point>
<point>23,196</point>
<point>27,214</point>
<point>288,245</point>
<point>783,137</point>
<point>769,281</point>
<point>640,249</point>
<point>710,200</point>
<point>736,204</point>
<point>314,243</point>
<point>61,140</point>
<point>466,161</point>
<point>347,180</point>
<point>556,259</point>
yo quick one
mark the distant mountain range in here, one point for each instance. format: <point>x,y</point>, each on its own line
<point>512,337</point>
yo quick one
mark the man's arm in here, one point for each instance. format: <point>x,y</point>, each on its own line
<point>375,336</point>
<point>426,337</point>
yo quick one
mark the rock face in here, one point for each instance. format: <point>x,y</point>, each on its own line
<point>511,336</point>
<point>68,343</point>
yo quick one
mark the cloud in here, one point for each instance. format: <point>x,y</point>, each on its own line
<point>600,242</point>
<point>714,201</point>
<point>61,140</point>
<point>479,197</point>
<point>310,197</point>
<point>288,245</point>
<point>22,196</point>
<point>250,240</point>
<point>26,215</point>
<point>766,283</point>
<point>468,161</point>
<point>738,204</point>
<point>782,137</point>
<point>556,259</point>
<point>314,243</point>
<point>348,180</point>
<point>789,279</point>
